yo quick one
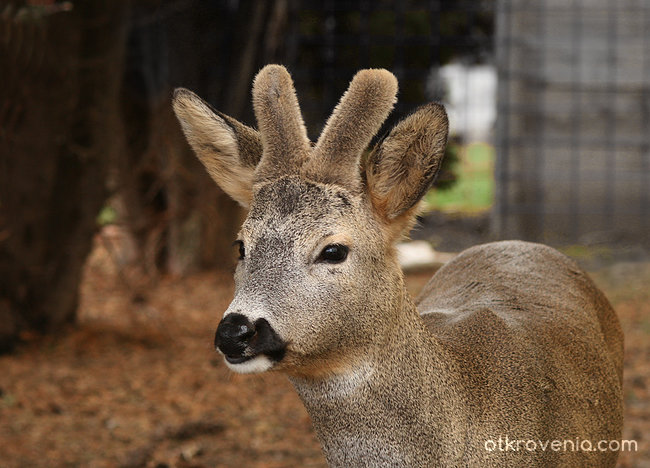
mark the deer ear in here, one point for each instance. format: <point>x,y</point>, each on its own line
<point>403,166</point>
<point>228,149</point>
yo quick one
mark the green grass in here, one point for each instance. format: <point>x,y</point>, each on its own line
<point>473,191</point>
<point>587,253</point>
<point>107,215</point>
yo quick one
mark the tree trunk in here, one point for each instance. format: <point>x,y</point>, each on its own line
<point>180,219</point>
<point>62,73</point>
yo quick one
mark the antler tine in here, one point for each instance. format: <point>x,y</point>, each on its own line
<point>284,137</point>
<point>355,120</point>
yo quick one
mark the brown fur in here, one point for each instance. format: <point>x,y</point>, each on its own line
<point>355,120</point>
<point>509,339</point>
<point>228,149</point>
<point>532,314</point>
<point>403,167</point>
<point>284,136</point>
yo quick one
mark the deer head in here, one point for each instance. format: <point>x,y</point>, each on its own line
<point>317,282</point>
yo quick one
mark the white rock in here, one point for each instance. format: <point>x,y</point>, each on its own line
<point>416,255</point>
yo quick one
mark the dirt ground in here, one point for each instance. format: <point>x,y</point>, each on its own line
<point>138,383</point>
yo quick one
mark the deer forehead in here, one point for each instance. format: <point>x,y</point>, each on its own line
<point>295,207</point>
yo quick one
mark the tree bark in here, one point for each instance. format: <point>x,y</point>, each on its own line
<point>58,121</point>
<point>180,219</point>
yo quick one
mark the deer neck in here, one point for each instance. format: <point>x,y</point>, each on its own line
<point>393,405</point>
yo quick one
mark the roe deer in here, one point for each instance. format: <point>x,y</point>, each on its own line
<point>509,340</point>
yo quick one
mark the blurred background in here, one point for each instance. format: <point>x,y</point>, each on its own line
<point>115,245</point>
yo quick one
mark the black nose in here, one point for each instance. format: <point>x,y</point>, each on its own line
<point>233,334</point>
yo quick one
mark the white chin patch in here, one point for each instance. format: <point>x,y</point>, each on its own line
<point>256,365</point>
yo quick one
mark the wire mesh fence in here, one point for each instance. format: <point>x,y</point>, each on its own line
<point>331,40</point>
<point>573,133</point>
<point>572,112</point>
<point>570,119</point>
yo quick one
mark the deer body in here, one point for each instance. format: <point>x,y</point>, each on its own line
<point>510,339</point>
<point>482,360</point>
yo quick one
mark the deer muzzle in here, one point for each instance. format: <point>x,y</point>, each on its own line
<point>239,340</point>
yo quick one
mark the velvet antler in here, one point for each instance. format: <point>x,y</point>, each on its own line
<point>355,120</point>
<point>284,137</point>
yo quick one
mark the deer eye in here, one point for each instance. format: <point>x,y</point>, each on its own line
<point>333,253</point>
<point>242,250</point>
